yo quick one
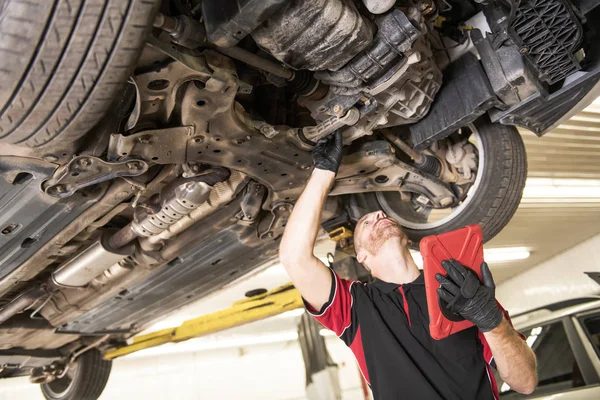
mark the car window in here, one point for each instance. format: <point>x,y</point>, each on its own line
<point>592,327</point>
<point>557,368</point>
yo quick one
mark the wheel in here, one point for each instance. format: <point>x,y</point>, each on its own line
<point>492,199</point>
<point>63,62</point>
<point>85,380</point>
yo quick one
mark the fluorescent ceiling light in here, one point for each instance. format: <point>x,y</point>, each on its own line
<point>492,256</point>
<point>583,190</point>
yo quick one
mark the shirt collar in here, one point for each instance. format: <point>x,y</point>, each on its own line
<point>388,287</point>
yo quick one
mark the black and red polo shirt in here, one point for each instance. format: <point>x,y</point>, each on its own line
<point>387,328</point>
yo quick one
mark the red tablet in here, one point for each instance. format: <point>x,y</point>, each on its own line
<point>464,245</point>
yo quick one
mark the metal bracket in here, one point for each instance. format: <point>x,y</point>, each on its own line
<point>281,213</point>
<point>162,146</point>
<point>314,133</point>
<point>83,171</point>
<point>376,168</point>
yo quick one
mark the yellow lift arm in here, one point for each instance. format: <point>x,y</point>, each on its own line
<point>277,301</point>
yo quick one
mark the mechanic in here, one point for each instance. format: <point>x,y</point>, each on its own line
<point>386,323</point>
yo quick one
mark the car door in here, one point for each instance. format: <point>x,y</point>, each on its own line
<point>566,362</point>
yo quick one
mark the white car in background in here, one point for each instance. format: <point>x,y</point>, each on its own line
<point>566,339</point>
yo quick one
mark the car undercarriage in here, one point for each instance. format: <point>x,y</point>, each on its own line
<point>152,171</point>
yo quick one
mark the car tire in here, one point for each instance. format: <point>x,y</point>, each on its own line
<point>63,62</point>
<point>497,197</point>
<point>91,373</point>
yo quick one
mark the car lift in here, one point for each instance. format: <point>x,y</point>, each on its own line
<point>269,304</point>
<point>255,308</point>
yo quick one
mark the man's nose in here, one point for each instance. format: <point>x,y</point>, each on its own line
<point>379,215</point>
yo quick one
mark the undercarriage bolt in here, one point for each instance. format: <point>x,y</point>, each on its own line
<point>84,162</point>
<point>134,165</point>
<point>145,139</point>
<point>337,109</point>
<point>60,188</point>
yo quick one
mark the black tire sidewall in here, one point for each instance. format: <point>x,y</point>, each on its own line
<point>501,188</point>
<point>90,380</point>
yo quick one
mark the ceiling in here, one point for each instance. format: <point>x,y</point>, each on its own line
<point>549,226</point>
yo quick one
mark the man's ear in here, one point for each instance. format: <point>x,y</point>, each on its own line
<point>361,256</point>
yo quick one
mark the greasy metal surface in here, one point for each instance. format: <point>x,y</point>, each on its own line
<point>28,217</point>
<point>380,60</point>
<point>184,199</point>
<point>217,131</point>
<point>26,333</point>
<point>315,34</point>
<point>84,171</point>
<point>215,262</point>
<point>54,226</point>
<point>158,146</point>
<point>221,193</point>
<point>376,168</point>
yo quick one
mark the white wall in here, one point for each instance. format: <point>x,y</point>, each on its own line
<point>274,371</point>
<point>559,278</point>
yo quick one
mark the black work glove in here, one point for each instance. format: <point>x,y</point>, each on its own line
<point>468,297</point>
<point>327,154</point>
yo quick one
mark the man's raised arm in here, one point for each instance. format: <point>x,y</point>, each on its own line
<point>310,276</point>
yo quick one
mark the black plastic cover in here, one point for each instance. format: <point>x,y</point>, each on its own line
<point>465,95</point>
<point>539,114</point>
<point>548,33</point>
<point>229,21</point>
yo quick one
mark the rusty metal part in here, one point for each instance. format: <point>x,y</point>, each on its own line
<point>84,171</point>
<point>183,30</point>
<point>217,131</point>
<point>21,303</point>
<point>220,194</point>
<point>181,202</point>
<point>314,133</point>
<point>315,34</point>
<point>158,146</point>
<point>376,168</point>
<point>256,61</point>
<point>118,192</point>
<point>90,263</point>
<point>31,334</point>
<point>402,145</point>
<point>252,200</point>
<point>280,214</point>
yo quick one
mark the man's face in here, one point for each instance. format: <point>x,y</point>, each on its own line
<point>373,230</point>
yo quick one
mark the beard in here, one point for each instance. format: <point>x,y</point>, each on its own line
<point>383,232</point>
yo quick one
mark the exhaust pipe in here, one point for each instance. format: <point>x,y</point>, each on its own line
<point>90,263</point>
<point>112,248</point>
<point>21,303</point>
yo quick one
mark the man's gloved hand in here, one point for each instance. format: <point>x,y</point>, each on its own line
<point>327,154</point>
<point>467,296</point>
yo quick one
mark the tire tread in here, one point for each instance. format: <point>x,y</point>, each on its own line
<point>83,55</point>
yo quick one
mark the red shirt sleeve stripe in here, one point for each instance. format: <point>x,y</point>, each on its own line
<point>336,314</point>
